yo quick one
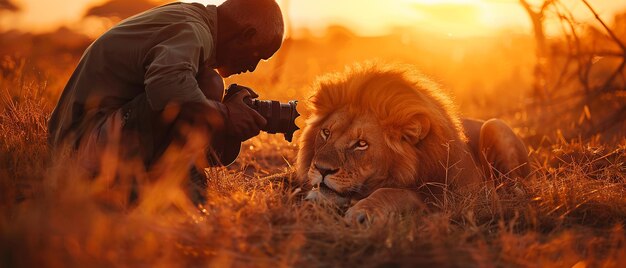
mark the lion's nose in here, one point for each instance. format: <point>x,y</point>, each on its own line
<point>324,170</point>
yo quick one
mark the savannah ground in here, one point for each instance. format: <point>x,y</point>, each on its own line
<point>51,215</point>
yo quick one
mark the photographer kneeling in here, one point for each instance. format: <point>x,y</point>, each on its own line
<point>147,85</point>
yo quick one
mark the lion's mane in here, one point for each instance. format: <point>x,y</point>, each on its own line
<point>395,95</point>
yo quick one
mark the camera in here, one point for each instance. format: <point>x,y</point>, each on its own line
<point>281,117</point>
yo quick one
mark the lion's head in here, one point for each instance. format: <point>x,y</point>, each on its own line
<point>374,126</point>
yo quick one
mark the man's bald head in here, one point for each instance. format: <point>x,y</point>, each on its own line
<point>248,31</point>
<point>263,14</point>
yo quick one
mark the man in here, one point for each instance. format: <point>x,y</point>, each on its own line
<point>148,83</point>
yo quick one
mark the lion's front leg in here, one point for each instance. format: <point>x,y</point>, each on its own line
<point>382,204</point>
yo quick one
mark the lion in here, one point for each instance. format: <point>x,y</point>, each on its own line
<point>380,136</point>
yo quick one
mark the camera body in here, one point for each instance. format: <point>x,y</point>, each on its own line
<point>281,117</point>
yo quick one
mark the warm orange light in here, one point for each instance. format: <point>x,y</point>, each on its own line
<point>372,17</point>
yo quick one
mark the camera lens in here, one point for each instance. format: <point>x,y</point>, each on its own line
<point>280,116</point>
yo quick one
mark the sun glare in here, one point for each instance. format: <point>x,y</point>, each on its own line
<point>373,17</point>
<point>436,2</point>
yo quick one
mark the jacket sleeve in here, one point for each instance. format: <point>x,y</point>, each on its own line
<point>171,66</point>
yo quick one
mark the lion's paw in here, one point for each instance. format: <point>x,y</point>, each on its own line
<point>363,213</point>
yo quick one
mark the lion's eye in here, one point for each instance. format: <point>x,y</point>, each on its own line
<point>325,133</point>
<point>361,145</point>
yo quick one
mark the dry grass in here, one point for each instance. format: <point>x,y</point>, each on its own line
<point>574,214</point>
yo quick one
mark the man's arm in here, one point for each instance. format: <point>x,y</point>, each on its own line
<point>171,67</point>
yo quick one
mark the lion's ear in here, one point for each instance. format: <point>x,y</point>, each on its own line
<point>417,129</point>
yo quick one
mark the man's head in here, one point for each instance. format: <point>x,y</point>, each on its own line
<point>248,31</point>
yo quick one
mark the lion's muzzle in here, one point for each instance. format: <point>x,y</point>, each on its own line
<point>324,188</point>
<point>324,171</point>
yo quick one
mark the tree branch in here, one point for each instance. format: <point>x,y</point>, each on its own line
<point>545,5</point>
<point>528,8</point>
<point>609,31</point>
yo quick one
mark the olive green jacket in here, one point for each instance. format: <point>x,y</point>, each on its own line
<point>157,52</point>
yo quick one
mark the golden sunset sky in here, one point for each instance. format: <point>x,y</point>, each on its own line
<point>367,17</point>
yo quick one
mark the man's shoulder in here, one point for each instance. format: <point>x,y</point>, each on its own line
<point>175,22</point>
<point>177,12</point>
<point>185,16</point>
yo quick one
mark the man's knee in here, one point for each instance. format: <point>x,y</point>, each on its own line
<point>211,84</point>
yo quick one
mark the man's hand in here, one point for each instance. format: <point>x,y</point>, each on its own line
<point>243,122</point>
<point>234,88</point>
